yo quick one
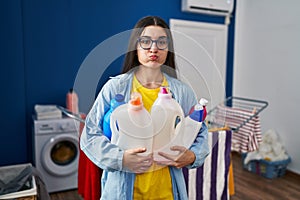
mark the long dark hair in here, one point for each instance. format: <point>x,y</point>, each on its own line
<point>131,60</point>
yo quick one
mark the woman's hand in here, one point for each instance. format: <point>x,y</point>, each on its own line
<point>183,158</point>
<point>136,163</point>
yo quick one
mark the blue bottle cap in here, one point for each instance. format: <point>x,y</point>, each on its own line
<point>119,97</point>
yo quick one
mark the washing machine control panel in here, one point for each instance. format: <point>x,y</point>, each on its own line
<point>62,125</point>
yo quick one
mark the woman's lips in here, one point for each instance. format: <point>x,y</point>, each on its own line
<point>153,57</point>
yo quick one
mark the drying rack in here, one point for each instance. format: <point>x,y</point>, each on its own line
<point>71,114</point>
<point>234,112</point>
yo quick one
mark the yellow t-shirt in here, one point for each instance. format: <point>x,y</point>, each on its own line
<point>155,184</point>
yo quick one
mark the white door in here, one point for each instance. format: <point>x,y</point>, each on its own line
<point>201,50</point>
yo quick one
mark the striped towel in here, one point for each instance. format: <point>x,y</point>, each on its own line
<point>248,137</point>
<point>210,181</point>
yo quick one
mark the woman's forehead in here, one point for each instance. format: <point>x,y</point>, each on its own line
<point>154,31</point>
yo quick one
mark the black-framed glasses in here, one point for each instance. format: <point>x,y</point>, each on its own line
<point>146,42</point>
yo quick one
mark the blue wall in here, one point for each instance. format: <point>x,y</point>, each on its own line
<point>43,44</point>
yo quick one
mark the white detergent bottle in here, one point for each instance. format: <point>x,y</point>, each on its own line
<point>167,116</point>
<point>131,125</point>
<point>192,125</point>
<point>186,135</point>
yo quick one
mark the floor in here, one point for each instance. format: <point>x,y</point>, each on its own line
<point>66,195</point>
<point>248,186</point>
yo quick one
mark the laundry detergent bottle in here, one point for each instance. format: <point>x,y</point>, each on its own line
<point>72,101</point>
<point>187,133</point>
<point>132,126</point>
<point>114,103</point>
<point>192,125</point>
<point>167,116</point>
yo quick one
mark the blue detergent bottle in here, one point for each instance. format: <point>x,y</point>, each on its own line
<point>114,103</point>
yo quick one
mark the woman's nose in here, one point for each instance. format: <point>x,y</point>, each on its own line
<point>154,47</point>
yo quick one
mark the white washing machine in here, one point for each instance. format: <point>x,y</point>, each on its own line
<point>56,147</point>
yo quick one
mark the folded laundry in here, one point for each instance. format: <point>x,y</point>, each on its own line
<point>47,112</point>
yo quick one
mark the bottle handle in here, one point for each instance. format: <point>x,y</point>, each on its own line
<point>179,125</point>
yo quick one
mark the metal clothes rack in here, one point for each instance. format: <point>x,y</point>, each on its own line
<point>234,112</point>
<point>70,114</point>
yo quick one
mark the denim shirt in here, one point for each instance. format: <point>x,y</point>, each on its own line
<point>116,183</point>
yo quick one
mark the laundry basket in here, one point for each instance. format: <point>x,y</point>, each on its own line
<point>17,182</point>
<point>267,169</point>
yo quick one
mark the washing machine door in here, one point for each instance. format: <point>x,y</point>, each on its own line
<point>60,154</point>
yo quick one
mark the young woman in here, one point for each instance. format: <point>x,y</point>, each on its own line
<point>149,64</point>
